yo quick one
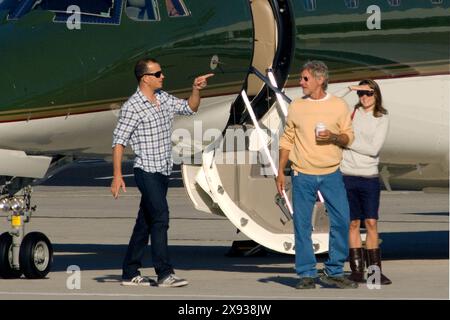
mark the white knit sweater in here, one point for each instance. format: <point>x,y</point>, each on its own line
<point>362,156</point>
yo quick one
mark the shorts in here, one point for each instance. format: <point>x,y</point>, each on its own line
<point>363,197</point>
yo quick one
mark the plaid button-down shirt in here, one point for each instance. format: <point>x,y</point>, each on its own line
<point>148,129</point>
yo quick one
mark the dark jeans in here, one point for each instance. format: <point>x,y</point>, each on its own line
<point>153,221</point>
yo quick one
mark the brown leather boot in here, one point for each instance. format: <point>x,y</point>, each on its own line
<point>374,258</point>
<point>356,259</point>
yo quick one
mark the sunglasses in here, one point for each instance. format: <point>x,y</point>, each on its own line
<point>156,74</point>
<point>368,93</point>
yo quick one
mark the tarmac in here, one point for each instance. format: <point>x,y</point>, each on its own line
<point>90,230</point>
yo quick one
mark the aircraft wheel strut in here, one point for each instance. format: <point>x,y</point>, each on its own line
<point>6,269</point>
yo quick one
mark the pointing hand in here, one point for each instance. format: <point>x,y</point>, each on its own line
<point>201,82</point>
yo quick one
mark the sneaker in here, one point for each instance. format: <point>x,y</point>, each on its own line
<point>172,281</point>
<point>306,283</point>
<point>137,281</point>
<point>340,282</point>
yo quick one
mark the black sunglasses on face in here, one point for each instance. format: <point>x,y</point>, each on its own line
<point>156,74</point>
<point>368,93</point>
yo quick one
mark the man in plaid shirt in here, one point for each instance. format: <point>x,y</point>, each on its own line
<point>145,122</point>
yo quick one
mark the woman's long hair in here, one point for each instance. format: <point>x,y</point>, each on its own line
<point>379,110</point>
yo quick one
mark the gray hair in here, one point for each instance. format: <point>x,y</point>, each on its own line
<point>318,69</point>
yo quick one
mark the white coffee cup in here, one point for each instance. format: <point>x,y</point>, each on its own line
<point>320,126</point>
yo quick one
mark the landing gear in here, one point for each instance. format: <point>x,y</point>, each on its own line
<point>30,254</point>
<point>36,255</point>
<point>7,270</point>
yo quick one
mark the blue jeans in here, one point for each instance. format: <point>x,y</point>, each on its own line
<point>304,195</point>
<point>152,220</point>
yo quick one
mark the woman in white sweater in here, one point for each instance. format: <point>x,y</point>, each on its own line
<point>360,169</point>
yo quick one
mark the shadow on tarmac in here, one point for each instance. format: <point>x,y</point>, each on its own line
<point>415,245</point>
<point>443,214</point>
<point>98,173</point>
<point>106,257</point>
<point>396,246</point>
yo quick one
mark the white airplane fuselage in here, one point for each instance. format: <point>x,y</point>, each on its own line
<point>418,134</point>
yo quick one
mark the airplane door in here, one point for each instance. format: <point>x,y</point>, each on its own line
<point>232,180</point>
<point>273,47</point>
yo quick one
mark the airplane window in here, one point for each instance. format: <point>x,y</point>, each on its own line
<point>92,12</point>
<point>352,4</point>
<point>7,4</point>
<point>20,8</point>
<point>309,5</point>
<point>176,8</point>
<point>394,3</point>
<point>89,7</point>
<point>142,10</point>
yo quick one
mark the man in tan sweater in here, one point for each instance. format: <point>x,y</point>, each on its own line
<point>315,158</point>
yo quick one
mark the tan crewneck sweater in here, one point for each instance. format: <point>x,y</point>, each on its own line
<point>308,156</point>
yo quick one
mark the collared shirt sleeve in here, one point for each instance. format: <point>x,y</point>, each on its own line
<point>180,106</point>
<point>126,125</point>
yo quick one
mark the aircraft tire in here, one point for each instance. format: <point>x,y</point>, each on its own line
<point>6,270</point>
<point>36,255</point>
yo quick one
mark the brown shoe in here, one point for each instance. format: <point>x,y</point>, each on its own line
<point>306,283</point>
<point>339,282</point>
